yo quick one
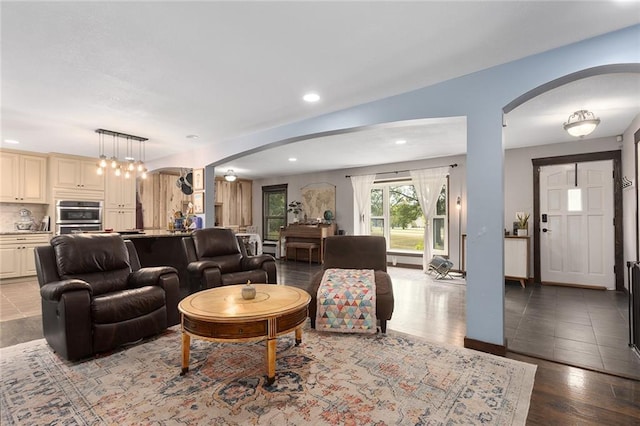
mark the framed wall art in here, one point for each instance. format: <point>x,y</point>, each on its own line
<point>198,179</point>
<point>198,202</point>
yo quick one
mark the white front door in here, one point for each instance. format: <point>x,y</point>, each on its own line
<point>576,224</point>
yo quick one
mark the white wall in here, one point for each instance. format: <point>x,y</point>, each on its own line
<point>518,188</point>
<point>629,195</point>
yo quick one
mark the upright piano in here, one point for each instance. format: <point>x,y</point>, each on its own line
<point>307,234</point>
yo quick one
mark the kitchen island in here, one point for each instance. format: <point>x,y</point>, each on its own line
<point>159,247</point>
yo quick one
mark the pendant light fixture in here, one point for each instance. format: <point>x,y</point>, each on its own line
<point>581,123</point>
<point>102,163</point>
<point>130,164</point>
<point>114,157</point>
<point>140,165</point>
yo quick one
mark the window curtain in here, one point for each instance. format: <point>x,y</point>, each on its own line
<point>362,193</point>
<point>428,184</point>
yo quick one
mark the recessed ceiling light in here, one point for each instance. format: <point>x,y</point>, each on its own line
<point>311,97</point>
<point>192,136</point>
<point>292,159</point>
<point>401,142</point>
<point>11,141</point>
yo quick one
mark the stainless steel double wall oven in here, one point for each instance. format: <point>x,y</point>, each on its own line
<point>78,216</point>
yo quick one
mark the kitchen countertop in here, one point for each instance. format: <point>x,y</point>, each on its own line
<point>154,233</point>
<point>24,232</point>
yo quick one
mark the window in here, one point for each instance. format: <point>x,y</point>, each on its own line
<point>396,214</point>
<point>440,222</point>
<point>274,211</point>
<point>574,200</point>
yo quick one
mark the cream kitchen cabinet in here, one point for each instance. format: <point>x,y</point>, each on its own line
<point>23,178</point>
<point>120,192</point>
<point>75,173</point>
<point>119,219</point>
<point>120,202</point>
<point>16,254</point>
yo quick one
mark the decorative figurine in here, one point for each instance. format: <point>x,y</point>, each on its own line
<point>248,291</point>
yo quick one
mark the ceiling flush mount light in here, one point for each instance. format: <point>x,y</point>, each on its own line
<point>292,159</point>
<point>130,162</point>
<point>401,142</point>
<point>311,97</point>
<point>230,176</point>
<point>11,141</point>
<point>581,123</point>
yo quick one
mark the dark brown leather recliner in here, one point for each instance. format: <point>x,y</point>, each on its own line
<point>96,297</point>
<point>357,252</point>
<point>216,258</point>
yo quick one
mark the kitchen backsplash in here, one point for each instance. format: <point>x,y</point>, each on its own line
<point>9,214</point>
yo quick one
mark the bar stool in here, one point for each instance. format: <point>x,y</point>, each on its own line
<point>301,245</point>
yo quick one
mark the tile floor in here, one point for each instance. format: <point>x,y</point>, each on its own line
<point>585,328</point>
<point>20,313</point>
<point>19,300</point>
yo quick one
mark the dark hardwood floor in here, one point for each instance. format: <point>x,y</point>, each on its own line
<point>435,310</point>
<point>562,395</point>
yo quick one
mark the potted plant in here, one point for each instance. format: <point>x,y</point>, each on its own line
<point>523,223</point>
<point>295,207</point>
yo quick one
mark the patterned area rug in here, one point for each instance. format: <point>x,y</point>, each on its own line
<point>330,378</point>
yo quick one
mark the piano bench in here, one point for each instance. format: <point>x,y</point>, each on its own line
<point>299,245</point>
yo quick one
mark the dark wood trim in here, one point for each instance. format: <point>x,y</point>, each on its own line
<point>636,140</point>
<point>479,345</point>
<point>405,254</point>
<point>405,265</point>
<point>588,287</point>
<point>616,156</point>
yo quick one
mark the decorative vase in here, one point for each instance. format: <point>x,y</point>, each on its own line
<point>522,232</point>
<point>248,291</point>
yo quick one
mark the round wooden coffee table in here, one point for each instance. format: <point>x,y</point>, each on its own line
<point>221,314</point>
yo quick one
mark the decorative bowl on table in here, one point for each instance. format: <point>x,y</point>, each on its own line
<point>23,226</point>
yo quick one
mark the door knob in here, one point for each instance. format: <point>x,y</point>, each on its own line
<point>545,230</point>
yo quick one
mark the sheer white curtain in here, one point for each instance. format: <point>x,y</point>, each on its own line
<point>428,184</point>
<point>362,193</point>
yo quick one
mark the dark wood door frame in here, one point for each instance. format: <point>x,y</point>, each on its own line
<point>616,156</point>
<point>636,140</point>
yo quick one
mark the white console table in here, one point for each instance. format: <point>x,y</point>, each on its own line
<point>516,258</point>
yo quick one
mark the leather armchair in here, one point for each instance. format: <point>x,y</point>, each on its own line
<point>357,252</point>
<point>215,258</point>
<point>96,297</point>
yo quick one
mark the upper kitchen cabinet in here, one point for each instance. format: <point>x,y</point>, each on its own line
<point>119,202</point>
<point>75,173</point>
<point>23,178</point>
<point>120,192</point>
